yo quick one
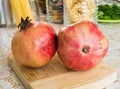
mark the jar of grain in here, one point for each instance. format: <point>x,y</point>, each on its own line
<point>79,10</point>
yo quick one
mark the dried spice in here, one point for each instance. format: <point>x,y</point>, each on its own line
<point>55,11</point>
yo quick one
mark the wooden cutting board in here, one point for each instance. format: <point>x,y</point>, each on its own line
<point>56,76</point>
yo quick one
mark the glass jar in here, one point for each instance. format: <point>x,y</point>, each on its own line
<point>79,10</point>
<point>42,4</point>
<point>54,11</point>
<point>35,8</point>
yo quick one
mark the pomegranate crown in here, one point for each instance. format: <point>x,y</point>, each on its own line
<point>24,24</point>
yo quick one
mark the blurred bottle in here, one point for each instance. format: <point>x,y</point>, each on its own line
<point>34,4</point>
<point>2,14</point>
<point>9,14</point>
<point>21,8</point>
<point>54,11</point>
<point>38,8</point>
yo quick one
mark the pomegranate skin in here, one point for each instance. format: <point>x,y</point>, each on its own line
<point>35,46</point>
<point>81,46</point>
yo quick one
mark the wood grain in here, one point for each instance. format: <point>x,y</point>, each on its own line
<point>55,75</point>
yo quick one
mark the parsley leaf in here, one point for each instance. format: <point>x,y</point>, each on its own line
<point>109,12</point>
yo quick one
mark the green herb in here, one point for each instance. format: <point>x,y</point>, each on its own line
<point>109,12</point>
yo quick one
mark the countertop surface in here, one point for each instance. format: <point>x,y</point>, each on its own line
<point>8,79</point>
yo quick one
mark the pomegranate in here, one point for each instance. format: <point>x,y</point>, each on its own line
<point>34,44</point>
<point>81,46</point>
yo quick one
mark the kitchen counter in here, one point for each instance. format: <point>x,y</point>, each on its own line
<point>8,79</point>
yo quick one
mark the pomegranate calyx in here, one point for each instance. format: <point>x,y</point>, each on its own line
<point>24,23</point>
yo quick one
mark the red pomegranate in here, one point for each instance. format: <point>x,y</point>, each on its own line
<point>81,46</point>
<point>34,44</point>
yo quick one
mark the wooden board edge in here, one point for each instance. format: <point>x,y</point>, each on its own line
<point>94,85</point>
<point>102,83</point>
<point>17,72</point>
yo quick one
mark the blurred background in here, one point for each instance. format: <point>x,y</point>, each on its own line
<point>11,11</point>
